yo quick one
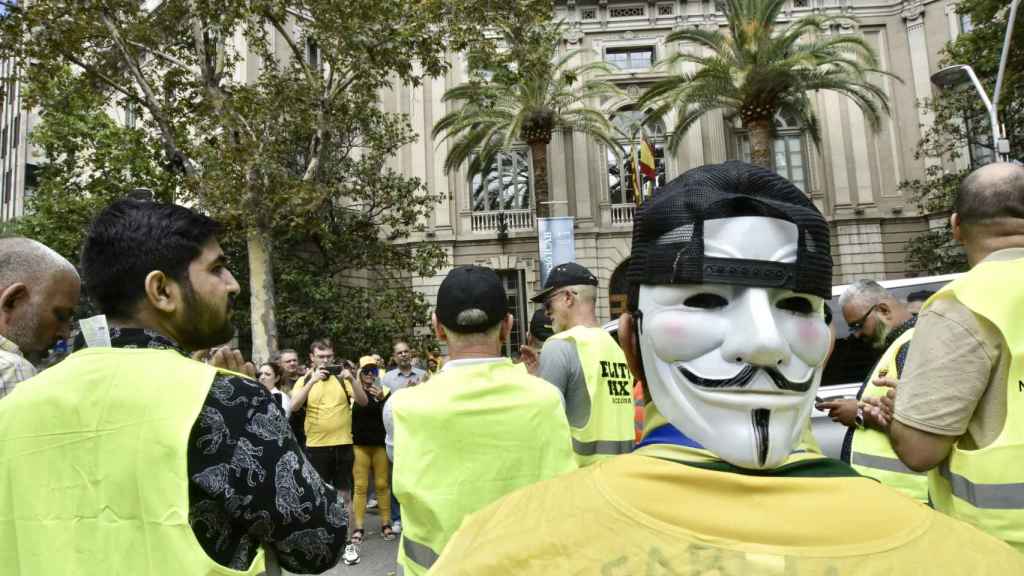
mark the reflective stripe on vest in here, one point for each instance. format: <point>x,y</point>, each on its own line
<point>605,447</point>
<point>76,445</point>
<point>610,431</point>
<point>991,496</point>
<point>985,487</point>
<point>419,553</point>
<point>871,452</point>
<point>465,438</point>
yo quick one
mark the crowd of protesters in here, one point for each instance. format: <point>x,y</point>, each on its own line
<point>156,448</point>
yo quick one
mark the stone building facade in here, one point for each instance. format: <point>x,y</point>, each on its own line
<point>853,176</point>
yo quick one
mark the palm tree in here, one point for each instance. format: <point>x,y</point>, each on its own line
<point>513,102</point>
<point>758,70</point>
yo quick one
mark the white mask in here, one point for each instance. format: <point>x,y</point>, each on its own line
<point>736,367</point>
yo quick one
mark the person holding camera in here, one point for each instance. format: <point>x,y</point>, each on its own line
<point>327,396</point>
<point>368,436</point>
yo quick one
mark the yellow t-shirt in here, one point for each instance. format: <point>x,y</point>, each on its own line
<point>643,513</point>
<point>328,412</point>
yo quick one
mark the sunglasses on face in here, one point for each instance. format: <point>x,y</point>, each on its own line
<point>859,324</point>
<point>370,371</point>
<point>550,299</point>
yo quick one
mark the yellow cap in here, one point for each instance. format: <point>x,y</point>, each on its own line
<point>367,361</point>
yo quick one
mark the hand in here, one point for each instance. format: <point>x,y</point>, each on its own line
<point>346,375</point>
<point>889,400</point>
<point>314,375</point>
<point>875,414</point>
<point>530,358</point>
<point>232,360</point>
<point>842,410</point>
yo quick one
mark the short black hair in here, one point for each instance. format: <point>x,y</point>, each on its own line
<point>131,238</point>
<point>919,296</point>
<point>984,195</point>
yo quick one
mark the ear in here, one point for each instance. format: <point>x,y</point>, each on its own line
<point>438,327</point>
<point>627,341</point>
<point>12,296</point>
<point>954,223</point>
<point>884,309</point>
<point>162,292</point>
<point>506,327</point>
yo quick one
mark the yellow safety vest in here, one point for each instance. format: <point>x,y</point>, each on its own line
<point>986,487</point>
<point>610,429</point>
<point>872,454</point>
<point>465,438</point>
<point>644,514</point>
<point>93,467</point>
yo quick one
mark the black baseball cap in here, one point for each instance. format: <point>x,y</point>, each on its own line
<point>568,274</point>
<point>668,232</point>
<point>471,288</point>
<point>540,326</point>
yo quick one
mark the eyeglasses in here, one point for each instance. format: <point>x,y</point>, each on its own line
<point>859,324</point>
<point>371,371</point>
<point>550,299</point>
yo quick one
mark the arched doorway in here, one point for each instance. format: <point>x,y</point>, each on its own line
<point>618,289</point>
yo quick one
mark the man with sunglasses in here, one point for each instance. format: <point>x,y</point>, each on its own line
<point>881,319</point>
<point>587,366</point>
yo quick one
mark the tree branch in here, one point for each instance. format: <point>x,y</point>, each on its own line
<point>161,54</point>
<point>167,133</point>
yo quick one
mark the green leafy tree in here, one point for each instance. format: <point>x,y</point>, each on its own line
<point>759,69</point>
<point>522,90</point>
<point>293,151</point>
<point>960,139</point>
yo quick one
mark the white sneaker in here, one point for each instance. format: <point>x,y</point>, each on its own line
<point>371,503</point>
<point>351,555</point>
<point>396,527</point>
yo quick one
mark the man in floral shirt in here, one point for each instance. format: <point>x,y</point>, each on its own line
<point>159,275</point>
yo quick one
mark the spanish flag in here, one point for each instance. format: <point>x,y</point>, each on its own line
<point>647,159</point>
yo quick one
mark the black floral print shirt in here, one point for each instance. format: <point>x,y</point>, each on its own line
<point>249,481</point>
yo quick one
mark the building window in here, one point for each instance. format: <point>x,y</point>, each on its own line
<point>621,184</point>
<point>631,57</point>
<point>515,294</point>
<point>627,12</point>
<point>966,26</point>
<point>588,14</point>
<point>313,54</point>
<point>505,184</point>
<point>788,158</point>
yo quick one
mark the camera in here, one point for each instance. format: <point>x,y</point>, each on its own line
<point>333,369</point>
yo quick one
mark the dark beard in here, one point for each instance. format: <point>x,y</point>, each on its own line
<point>206,327</point>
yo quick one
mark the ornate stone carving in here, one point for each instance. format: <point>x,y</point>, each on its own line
<point>913,14</point>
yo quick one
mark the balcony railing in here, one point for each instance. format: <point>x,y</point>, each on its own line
<point>622,214</point>
<point>491,221</point>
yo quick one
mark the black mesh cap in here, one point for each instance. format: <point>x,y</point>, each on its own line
<point>471,299</point>
<point>668,232</point>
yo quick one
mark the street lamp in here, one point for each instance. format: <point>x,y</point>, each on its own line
<point>959,73</point>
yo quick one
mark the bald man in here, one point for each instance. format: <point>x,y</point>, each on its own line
<point>959,407</point>
<point>39,292</point>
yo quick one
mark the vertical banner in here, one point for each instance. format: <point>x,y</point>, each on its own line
<point>557,243</point>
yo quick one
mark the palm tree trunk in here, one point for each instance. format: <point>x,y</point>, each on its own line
<point>539,157</point>
<point>760,142</point>
<point>261,295</point>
